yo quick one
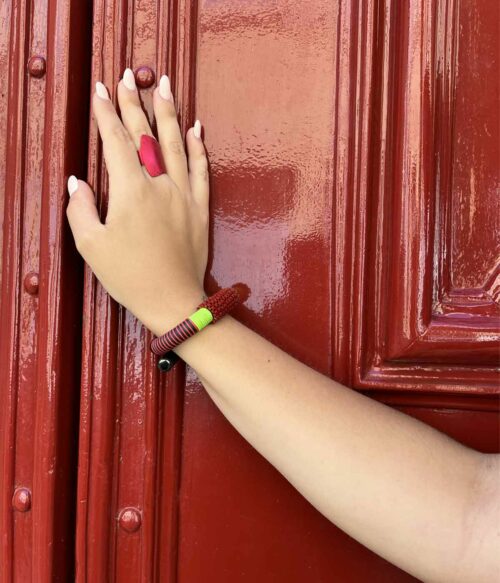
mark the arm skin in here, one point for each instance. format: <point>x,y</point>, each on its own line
<point>409,493</point>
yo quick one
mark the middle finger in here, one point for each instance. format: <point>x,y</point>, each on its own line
<point>133,117</point>
<point>169,134</point>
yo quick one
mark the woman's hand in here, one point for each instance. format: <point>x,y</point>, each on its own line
<point>151,252</point>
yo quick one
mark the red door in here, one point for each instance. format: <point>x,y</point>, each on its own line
<point>353,151</point>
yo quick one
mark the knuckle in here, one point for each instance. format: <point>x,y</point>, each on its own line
<point>200,168</point>
<point>138,131</point>
<point>176,147</point>
<point>202,173</point>
<point>201,160</point>
<point>86,241</point>
<point>169,111</point>
<point>118,132</point>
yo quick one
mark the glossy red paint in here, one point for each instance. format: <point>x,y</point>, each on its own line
<point>41,44</point>
<point>404,318</point>
<point>437,313</point>
<point>353,162</point>
<point>131,418</point>
<point>302,136</point>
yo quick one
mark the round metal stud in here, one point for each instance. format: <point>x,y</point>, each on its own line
<point>21,500</point>
<point>130,519</point>
<point>167,361</point>
<point>37,66</point>
<point>144,77</point>
<point>31,283</point>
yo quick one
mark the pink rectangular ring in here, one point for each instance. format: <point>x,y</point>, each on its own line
<point>151,156</point>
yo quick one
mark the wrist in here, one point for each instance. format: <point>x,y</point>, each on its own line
<point>194,320</point>
<point>173,310</point>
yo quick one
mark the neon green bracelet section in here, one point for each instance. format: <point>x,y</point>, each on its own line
<point>201,318</point>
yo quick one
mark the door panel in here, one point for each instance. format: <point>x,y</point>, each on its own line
<point>41,43</point>
<point>239,520</point>
<point>423,319</point>
<point>131,418</point>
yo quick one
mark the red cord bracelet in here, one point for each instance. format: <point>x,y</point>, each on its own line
<point>209,311</point>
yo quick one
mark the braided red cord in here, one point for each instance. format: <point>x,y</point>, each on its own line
<point>173,337</point>
<point>221,302</point>
<point>219,305</point>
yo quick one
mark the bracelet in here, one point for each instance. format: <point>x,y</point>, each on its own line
<point>209,311</point>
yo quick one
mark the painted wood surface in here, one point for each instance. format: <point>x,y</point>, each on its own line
<point>353,152</point>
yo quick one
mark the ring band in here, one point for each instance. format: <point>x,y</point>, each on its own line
<point>151,156</point>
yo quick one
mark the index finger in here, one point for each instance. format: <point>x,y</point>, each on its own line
<point>119,150</point>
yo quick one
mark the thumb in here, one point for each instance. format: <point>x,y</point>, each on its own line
<point>81,210</point>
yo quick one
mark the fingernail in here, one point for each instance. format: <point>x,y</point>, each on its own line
<point>101,90</point>
<point>197,128</point>
<point>129,79</point>
<point>72,184</point>
<point>165,90</point>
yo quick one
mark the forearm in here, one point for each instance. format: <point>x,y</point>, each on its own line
<point>391,482</point>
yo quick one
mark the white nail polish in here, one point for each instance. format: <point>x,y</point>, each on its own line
<point>101,90</point>
<point>165,90</point>
<point>72,184</point>
<point>197,128</point>
<point>129,79</point>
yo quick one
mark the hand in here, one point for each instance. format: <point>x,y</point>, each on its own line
<point>151,252</point>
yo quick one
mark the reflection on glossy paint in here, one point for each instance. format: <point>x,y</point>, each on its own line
<point>268,119</point>
<point>258,248</point>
